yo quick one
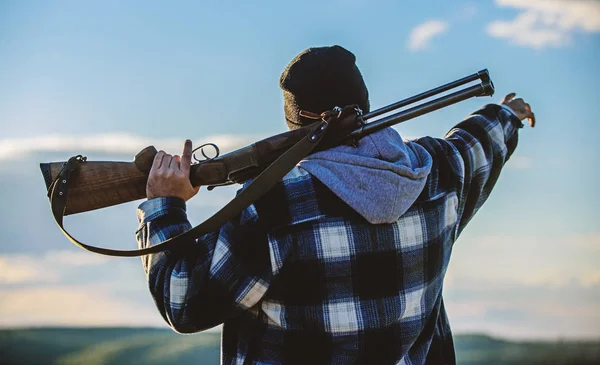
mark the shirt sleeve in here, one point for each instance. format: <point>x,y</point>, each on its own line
<point>471,155</point>
<point>202,282</point>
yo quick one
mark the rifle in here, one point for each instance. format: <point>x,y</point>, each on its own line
<point>78,185</point>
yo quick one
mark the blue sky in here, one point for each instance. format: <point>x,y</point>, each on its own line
<point>108,78</point>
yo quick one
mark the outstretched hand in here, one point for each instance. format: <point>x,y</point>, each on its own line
<point>520,107</point>
<point>170,175</point>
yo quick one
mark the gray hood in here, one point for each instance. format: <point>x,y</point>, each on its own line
<point>380,179</point>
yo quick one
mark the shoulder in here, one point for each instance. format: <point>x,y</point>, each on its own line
<point>297,198</point>
<point>444,175</point>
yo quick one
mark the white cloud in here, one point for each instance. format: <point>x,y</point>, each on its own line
<point>17,271</point>
<point>117,143</point>
<point>524,312</point>
<point>421,36</point>
<point>73,305</point>
<point>46,268</point>
<point>527,260</point>
<point>544,23</point>
<point>525,286</point>
<point>592,278</point>
<point>73,288</point>
<point>510,286</point>
<point>73,258</point>
<point>520,162</point>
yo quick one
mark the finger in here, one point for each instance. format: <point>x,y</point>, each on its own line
<point>508,97</point>
<point>186,157</point>
<point>175,162</point>
<point>166,162</point>
<point>528,114</point>
<point>531,120</point>
<point>158,160</point>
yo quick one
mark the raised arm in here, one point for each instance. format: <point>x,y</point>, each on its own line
<point>472,154</point>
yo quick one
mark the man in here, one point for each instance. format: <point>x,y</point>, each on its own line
<point>343,261</point>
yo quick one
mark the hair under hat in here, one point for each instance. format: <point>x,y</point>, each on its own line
<point>319,79</point>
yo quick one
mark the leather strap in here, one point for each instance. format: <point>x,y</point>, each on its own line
<point>59,190</point>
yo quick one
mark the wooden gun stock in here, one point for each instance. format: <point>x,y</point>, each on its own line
<point>101,184</point>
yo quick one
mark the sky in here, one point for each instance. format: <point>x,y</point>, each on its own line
<point>106,79</point>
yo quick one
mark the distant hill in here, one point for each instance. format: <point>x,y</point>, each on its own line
<point>150,346</point>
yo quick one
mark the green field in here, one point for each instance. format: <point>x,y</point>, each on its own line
<point>162,346</point>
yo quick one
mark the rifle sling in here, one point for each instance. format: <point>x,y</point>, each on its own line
<point>59,189</point>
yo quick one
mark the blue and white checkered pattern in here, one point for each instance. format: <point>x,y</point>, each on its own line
<point>299,277</point>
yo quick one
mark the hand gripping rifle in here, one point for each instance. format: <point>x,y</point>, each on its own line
<point>79,185</point>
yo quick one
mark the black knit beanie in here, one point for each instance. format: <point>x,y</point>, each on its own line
<point>320,79</point>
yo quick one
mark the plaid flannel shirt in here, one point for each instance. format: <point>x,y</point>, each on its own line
<point>299,277</point>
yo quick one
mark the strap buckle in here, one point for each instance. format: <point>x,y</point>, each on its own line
<point>63,176</point>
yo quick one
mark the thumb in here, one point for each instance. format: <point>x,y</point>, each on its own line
<point>186,157</point>
<point>508,98</point>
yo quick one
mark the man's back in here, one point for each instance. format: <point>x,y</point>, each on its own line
<point>302,277</point>
<point>345,290</point>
